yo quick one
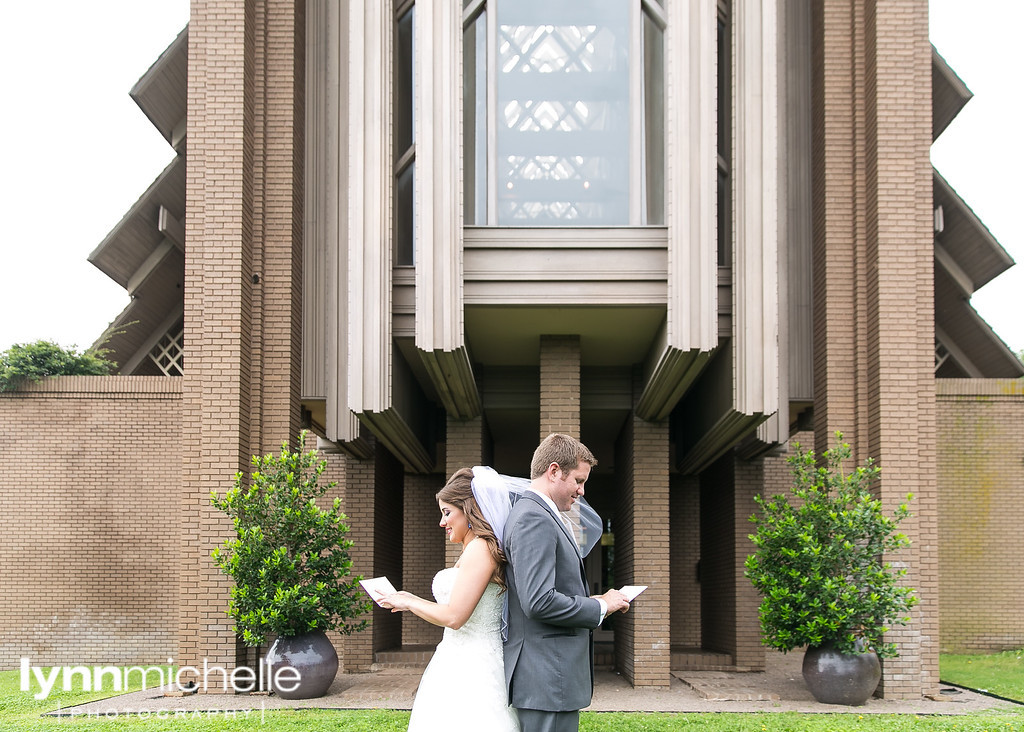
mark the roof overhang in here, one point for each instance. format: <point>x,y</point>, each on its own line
<point>964,241</point>
<point>967,256</point>
<point>162,92</point>
<point>967,344</point>
<point>949,94</point>
<point>145,254</point>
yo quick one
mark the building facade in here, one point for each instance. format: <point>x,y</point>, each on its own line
<point>684,230</point>
<point>438,232</point>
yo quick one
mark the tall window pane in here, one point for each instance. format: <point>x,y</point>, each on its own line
<point>405,218</point>
<point>563,112</point>
<point>404,152</point>
<point>403,102</point>
<point>474,121</point>
<point>724,139</point>
<point>654,122</point>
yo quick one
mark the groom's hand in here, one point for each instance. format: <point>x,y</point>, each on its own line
<point>615,601</point>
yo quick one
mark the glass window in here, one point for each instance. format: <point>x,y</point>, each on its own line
<point>724,213</point>
<point>474,120</point>
<point>404,150</point>
<point>654,121</point>
<point>563,112</point>
<point>573,133</point>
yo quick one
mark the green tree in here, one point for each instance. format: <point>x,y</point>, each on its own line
<point>289,558</point>
<point>35,361</point>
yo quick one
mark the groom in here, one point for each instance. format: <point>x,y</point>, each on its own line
<point>549,661</point>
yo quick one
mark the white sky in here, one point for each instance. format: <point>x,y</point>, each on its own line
<point>981,153</point>
<point>79,152</point>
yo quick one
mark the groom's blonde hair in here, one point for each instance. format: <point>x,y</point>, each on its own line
<point>565,450</point>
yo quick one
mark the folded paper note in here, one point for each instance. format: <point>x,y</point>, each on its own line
<point>631,591</point>
<point>375,587</point>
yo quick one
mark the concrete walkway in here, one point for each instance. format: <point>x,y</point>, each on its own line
<point>779,689</point>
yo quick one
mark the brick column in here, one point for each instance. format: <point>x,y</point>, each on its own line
<point>467,444</point>
<point>337,472</point>
<point>748,481</point>
<point>373,492</point>
<point>279,145</point>
<point>642,636</point>
<point>728,599</point>
<point>684,538</point>
<point>242,288</point>
<point>559,385</point>
<point>873,280</point>
<point>216,387</point>
<point>423,552</point>
<point>359,507</point>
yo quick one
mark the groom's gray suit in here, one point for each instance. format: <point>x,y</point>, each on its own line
<point>549,662</point>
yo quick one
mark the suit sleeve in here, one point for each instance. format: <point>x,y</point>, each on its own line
<point>535,549</point>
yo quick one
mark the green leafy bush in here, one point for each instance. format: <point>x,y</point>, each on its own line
<point>35,361</point>
<point>818,564</point>
<point>289,558</point>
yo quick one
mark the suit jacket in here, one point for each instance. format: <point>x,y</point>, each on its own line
<point>549,662</point>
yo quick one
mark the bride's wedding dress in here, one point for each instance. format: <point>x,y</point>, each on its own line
<point>465,680</point>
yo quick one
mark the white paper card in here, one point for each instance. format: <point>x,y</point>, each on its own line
<point>631,591</point>
<point>377,586</point>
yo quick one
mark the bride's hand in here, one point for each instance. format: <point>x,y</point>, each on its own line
<point>398,601</point>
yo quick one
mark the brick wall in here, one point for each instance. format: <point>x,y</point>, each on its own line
<point>423,552</point>
<point>684,517</point>
<point>717,591</point>
<point>89,511</point>
<point>981,511</point>
<point>374,505</point>
<point>388,532</point>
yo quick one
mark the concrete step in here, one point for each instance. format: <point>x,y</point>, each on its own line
<point>698,659</point>
<point>409,656</point>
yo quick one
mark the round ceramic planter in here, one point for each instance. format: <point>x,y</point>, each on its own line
<point>838,678</point>
<point>313,656</point>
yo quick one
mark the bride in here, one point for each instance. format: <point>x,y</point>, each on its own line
<point>474,505</point>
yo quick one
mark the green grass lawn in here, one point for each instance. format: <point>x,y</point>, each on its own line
<point>1001,674</point>
<point>20,712</point>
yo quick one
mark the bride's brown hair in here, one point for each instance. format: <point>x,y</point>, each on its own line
<point>458,491</point>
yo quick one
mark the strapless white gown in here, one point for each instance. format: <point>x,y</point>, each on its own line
<point>464,683</point>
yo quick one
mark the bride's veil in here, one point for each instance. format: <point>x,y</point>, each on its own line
<point>496,493</point>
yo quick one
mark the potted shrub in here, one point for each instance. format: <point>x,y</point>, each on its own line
<point>818,567</point>
<point>291,567</point>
